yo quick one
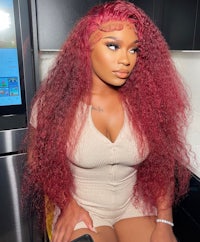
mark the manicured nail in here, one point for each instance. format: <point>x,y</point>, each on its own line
<point>93,229</point>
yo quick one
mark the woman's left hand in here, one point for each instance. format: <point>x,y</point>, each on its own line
<point>163,233</point>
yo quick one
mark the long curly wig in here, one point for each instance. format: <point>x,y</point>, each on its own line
<point>154,97</point>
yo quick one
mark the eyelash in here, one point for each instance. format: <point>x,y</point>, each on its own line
<point>110,45</point>
<point>116,46</point>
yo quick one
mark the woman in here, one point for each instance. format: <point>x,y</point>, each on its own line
<point>106,138</point>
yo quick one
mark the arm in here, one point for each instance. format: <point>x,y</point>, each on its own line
<point>163,232</point>
<point>70,216</point>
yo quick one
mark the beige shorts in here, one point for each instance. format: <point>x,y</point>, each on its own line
<point>108,217</point>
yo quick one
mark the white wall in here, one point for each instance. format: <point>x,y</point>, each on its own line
<point>188,65</point>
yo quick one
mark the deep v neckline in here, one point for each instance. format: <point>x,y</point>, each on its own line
<point>100,134</point>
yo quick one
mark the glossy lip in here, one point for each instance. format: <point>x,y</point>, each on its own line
<point>121,73</point>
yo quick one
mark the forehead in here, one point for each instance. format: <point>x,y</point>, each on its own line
<point>113,28</point>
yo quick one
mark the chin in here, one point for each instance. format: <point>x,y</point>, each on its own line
<point>119,83</point>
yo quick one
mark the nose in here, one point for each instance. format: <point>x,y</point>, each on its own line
<point>124,58</point>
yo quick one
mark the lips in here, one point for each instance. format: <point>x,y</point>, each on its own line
<point>123,74</point>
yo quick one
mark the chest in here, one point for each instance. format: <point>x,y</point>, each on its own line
<point>94,149</point>
<point>108,122</point>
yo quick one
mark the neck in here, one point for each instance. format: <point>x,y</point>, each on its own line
<point>103,89</point>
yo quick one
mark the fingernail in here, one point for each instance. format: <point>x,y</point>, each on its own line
<point>94,230</point>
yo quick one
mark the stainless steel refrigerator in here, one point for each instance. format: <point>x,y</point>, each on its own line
<point>17,87</point>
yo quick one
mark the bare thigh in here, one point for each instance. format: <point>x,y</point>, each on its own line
<point>137,229</point>
<point>104,234</point>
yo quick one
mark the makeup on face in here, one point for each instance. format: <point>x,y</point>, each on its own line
<point>113,56</point>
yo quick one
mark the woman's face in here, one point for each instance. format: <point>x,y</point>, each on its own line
<point>113,56</point>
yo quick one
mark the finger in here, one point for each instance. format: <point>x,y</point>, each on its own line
<point>63,234</point>
<point>68,233</point>
<point>88,221</point>
<point>58,231</point>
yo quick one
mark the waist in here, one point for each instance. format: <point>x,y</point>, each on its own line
<point>105,193</point>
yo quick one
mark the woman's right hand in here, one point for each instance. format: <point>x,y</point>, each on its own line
<point>70,216</point>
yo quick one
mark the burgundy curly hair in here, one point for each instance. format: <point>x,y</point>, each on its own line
<point>154,96</point>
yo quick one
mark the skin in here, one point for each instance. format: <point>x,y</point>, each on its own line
<point>117,53</point>
<point>113,58</point>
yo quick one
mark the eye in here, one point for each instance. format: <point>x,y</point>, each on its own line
<point>133,50</point>
<point>112,46</point>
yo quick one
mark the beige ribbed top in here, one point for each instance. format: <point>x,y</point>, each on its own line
<point>102,170</point>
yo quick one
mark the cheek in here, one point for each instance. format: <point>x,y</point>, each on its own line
<point>103,57</point>
<point>100,61</point>
<point>133,62</point>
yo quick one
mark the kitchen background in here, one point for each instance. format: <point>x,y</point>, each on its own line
<point>179,21</point>
<point>42,26</point>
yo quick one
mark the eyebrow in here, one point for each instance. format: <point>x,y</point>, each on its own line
<point>114,38</point>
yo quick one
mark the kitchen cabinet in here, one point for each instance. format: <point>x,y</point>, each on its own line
<point>55,19</point>
<point>197,33</point>
<point>178,20</point>
<point>178,23</point>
